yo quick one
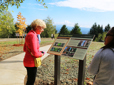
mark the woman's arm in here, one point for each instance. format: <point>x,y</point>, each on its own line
<point>34,46</point>
<point>95,64</point>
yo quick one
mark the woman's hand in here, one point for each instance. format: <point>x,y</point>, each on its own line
<point>42,55</point>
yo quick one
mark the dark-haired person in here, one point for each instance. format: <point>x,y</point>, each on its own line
<point>102,65</point>
<point>32,42</point>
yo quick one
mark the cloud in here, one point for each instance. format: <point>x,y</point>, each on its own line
<point>89,5</point>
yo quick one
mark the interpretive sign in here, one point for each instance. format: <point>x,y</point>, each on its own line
<point>73,46</point>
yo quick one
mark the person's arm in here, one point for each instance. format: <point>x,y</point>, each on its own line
<point>95,64</point>
<point>33,46</point>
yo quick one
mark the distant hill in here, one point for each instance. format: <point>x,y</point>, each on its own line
<point>84,30</point>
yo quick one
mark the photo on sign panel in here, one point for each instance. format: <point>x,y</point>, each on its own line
<point>59,44</point>
<point>83,43</point>
<point>69,51</point>
<point>55,49</point>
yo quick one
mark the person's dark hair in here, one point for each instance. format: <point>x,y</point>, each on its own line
<point>111,44</point>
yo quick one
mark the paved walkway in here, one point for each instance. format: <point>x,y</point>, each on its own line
<point>12,71</point>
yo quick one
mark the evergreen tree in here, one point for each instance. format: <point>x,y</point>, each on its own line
<point>94,30</point>
<point>64,30</point>
<point>107,28</point>
<point>100,29</point>
<point>76,30</point>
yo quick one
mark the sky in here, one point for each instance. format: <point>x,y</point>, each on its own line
<point>68,12</point>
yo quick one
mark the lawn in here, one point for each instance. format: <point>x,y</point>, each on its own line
<point>8,50</point>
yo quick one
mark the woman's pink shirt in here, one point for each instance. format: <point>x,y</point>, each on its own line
<point>31,41</point>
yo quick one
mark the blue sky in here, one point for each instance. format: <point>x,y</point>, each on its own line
<point>69,12</point>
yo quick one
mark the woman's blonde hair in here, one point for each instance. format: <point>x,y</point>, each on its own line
<point>38,22</point>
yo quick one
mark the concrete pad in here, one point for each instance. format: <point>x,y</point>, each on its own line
<point>12,71</point>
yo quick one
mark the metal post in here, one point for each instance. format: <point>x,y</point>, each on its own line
<point>81,71</point>
<point>57,70</point>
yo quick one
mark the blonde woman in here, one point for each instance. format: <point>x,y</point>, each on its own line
<point>32,42</point>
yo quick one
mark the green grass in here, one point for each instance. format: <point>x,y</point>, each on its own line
<point>44,41</point>
<point>8,42</point>
<point>11,42</point>
<point>56,35</point>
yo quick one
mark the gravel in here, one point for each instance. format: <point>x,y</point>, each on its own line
<point>68,71</point>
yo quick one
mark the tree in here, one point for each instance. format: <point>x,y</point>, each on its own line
<point>6,24</point>
<point>107,28</point>
<point>28,28</point>
<point>100,29</point>
<point>4,7</point>
<point>55,31</point>
<point>94,30</point>
<point>101,37</point>
<point>50,28</point>
<point>5,3</point>
<point>13,35</point>
<point>64,30</point>
<point>76,30</point>
<point>104,35</point>
<point>21,25</point>
<point>16,24</point>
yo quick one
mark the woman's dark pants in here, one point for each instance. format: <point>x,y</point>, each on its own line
<point>31,75</point>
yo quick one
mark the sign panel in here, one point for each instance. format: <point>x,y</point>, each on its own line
<point>58,46</point>
<point>74,47</point>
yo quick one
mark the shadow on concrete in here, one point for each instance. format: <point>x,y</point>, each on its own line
<point>15,52</point>
<point>11,62</point>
